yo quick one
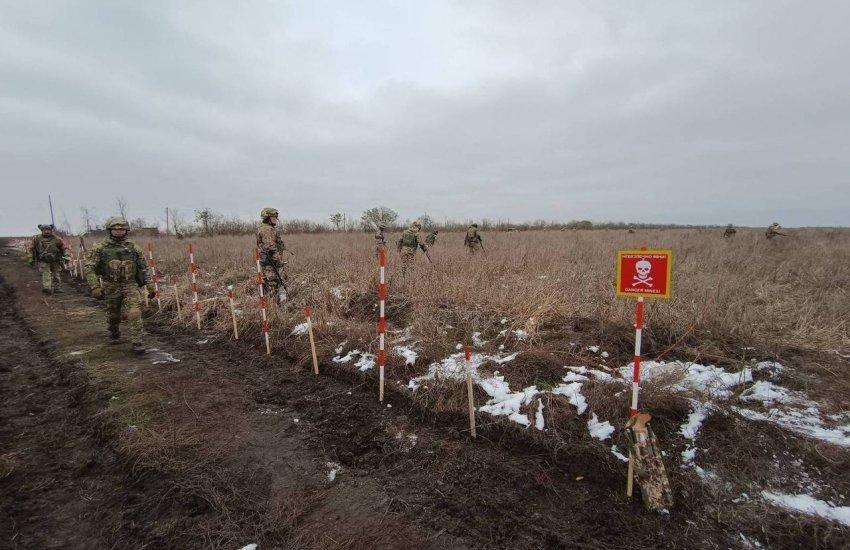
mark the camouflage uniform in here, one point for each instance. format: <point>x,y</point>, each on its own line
<point>650,473</point>
<point>431,238</point>
<point>472,240</point>
<point>380,240</point>
<point>270,243</point>
<point>122,267</point>
<point>407,245</point>
<point>730,231</point>
<point>48,252</point>
<point>773,231</point>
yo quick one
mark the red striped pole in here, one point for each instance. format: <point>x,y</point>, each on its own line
<point>154,276</point>
<point>174,281</point>
<point>382,321</point>
<point>193,270</point>
<point>232,312</point>
<point>636,370</point>
<point>263,302</point>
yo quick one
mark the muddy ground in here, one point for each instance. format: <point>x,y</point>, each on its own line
<point>205,444</point>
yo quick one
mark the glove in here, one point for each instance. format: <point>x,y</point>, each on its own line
<point>97,293</point>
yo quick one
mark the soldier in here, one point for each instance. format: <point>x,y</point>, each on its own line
<point>773,231</point>
<point>380,240</point>
<point>48,252</point>
<point>431,238</point>
<point>271,247</point>
<point>730,231</point>
<point>407,245</point>
<point>121,265</point>
<point>473,239</point>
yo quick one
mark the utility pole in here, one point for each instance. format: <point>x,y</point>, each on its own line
<point>50,202</point>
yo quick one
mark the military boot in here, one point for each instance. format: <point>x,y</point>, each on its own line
<point>114,336</point>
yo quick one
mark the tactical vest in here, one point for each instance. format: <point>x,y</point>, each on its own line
<point>118,263</point>
<point>408,239</point>
<point>472,235</point>
<point>47,249</point>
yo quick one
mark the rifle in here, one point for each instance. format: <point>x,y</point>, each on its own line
<point>425,250</point>
<point>268,259</point>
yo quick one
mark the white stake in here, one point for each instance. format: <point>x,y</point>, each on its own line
<point>232,312</point>
<point>263,302</point>
<point>308,312</point>
<point>193,269</point>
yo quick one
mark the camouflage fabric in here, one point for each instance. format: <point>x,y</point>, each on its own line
<point>122,304</point>
<point>408,261</point>
<point>472,240</point>
<point>730,231</point>
<point>650,473</point>
<point>409,240</point>
<point>47,248</point>
<point>122,266</point>
<point>49,274</point>
<point>431,238</point>
<point>271,246</point>
<point>773,230</point>
<point>380,242</point>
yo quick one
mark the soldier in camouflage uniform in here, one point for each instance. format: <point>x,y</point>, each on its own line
<point>48,252</point>
<point>380,240</point>
<point>271,246</point>
<point>122,267</point>
<point>773,231</point>
<point>730,231</point>
<point>407,245</point>
<point>472,240</point>
<point>431,238</point>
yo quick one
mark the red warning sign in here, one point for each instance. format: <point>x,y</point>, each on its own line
<point>644,273</point>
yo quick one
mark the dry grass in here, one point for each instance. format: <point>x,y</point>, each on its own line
<point>786,293</point>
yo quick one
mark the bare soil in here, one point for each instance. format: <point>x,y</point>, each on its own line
<point>104,449</point>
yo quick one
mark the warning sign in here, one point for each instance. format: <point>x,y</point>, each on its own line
<point>644,273</point>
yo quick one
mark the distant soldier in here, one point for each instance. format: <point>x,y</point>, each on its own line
<point>631,231</point>
<point>730,231</point>
<point>407,245</point>
<point>380,239</point>
<point>48,253</point>
<point>271,246</point>
<point>773,231</point>
<point>431,238</point>
<point>472,240</point>
<point>121,265</point>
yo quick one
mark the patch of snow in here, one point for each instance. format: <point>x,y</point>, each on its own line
<point>299,330</point>
<point>502,347</point>
<point>366,361</point>
<point>163,357</point>
<point>341,347</point>
<point>503,402</point>
<point>503,332</point>
<point>572,391</point>
<point>809,505</point>
<point>574,377</point>
<point>599,430</point>
<point>202,342</point>
<point>767,392</point>
<point>459,346</point>
<point>409,355</point>
<point>690,429</point>
<point>772,367</point>
<point>806,421</point>
<point>503,321</point>
<point>347,357</point>
<point>538,416</point>
<point>477,341</point>
<point>616,452</point>
<point>81,352</point>
<point>593,349</point>
<point>707,379</point>
<point>337,292</point>
<point>252,546</point>
<point>605,354</point>
<point>334,470</point>
<point>520,334</point>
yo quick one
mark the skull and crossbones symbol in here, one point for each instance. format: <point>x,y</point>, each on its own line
<point>641,277</point>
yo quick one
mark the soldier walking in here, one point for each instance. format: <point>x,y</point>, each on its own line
<point>271,246</point>
<point>773,231</point>
<point>407,245</point>
<point>431,238</point>
<point>472,240</point>
<point>48,253</point>
<point>380,240</point>
<point>123,269</point>
<point>730,231</point>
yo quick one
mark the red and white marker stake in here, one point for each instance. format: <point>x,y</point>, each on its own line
<point>232,312</point>
<point>382,321</point>
<point>308,312</point>
<point>468,357</point>
<point>263,302</point>
<point>193,271</point>
<point>633,410</point>
<point>154,276</point>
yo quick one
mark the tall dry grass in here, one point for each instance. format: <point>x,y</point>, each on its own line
<point>790,291</point>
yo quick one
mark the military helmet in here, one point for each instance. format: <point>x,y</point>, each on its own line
<point>416,224</point>
<point>268,212</point>
<point>117,222</point>
<point>43,226</point>
<point>382,226</point>
<point>475,225</point>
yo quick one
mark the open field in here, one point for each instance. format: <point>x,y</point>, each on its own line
<point>748,387</point>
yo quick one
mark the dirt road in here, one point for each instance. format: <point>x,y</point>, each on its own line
<point>200,444</point>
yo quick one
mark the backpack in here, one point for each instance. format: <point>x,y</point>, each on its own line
<point>48,250</point>
<point>408,239</point>
<point>472,235</point>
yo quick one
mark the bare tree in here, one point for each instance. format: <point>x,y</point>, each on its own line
<point>121,204</point>
<point>88,218</point>
<point>337,219</point>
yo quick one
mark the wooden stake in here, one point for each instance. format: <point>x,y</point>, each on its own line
<point>308,312</point>
<point>232,312</point>
<point>631,474</point>
<point>174,280</point>
<point>468,355</point>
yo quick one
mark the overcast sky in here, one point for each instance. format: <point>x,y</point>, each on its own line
<point>685,112</point>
